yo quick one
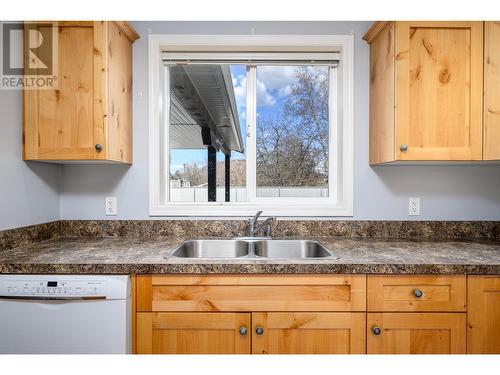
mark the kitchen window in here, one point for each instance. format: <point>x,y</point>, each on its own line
<point>234,132</point>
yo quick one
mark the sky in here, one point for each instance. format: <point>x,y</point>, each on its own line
<point>273,86</point>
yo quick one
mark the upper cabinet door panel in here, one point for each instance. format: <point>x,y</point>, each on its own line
<point>88,116</point>
<point>491,91</point>
<point>65,115</point>
<point>439,90</point>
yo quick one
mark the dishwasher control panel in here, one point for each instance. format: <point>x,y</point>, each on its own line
<point>52,288</point>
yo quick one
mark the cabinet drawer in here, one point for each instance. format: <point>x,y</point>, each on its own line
<point>416,293</point>
<point>416,333</point>
<point>251,293</point>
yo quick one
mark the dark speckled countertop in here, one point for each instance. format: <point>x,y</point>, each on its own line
<point>121,255</point>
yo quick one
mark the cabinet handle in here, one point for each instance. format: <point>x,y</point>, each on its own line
<point>418,293</point>
<point>259,330</point>
<point>404,147</point>
<point>376,330</point>
<point>243,331</point>
<point>98,147</point>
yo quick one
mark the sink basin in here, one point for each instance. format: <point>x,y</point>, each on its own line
<point>290,249</point>
<point>251,247</point>
<point>212,249</point>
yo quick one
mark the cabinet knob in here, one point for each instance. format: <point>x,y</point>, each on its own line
<point>418,293</point>
<point>404,147</point>
<point>376,330</point>
<point>98,147</point>
<point>243,331</point>
<point>259,330</point>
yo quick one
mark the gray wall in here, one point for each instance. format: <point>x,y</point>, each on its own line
<point>447,192</point>
<point>29,192</point>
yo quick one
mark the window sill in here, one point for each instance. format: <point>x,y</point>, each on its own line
<point>238,210</point>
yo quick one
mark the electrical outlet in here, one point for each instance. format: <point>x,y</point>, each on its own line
<point>111,206</point>
<point>414,206</point>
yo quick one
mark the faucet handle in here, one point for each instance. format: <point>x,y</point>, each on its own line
<point>269,228</point>
<point>257,215</point>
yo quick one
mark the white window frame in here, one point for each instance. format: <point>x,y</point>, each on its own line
<point>341,195</point>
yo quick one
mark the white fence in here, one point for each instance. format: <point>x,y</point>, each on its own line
<point>239,194</point>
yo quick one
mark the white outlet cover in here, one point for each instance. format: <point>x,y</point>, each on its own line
<point>111,206</point>
<point>414,206</point>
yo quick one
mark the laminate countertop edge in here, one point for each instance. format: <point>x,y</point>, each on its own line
<point>226,268</point>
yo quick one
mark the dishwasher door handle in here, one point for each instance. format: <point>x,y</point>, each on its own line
<point>40,298</point>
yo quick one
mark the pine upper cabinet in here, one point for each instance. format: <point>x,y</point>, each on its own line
<point>416,333</point>
<point>193,333</point>
<point>88,116</point>
<point>491,91</point>
<point>483,315</point>
<point>426,90</point>
<point>308,333</point>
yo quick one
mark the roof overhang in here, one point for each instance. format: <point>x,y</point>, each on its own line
<point>202,96</point>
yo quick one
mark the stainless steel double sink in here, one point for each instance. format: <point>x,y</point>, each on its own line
<point>251,248</point>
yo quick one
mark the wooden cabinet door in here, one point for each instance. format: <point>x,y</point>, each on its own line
<point>193,333</point>
<point>439,90</point>
<point>491,91</point>
<point>65,123</point>
<point>416,333</point>
<point>483,315</point>
<point>308,333</point>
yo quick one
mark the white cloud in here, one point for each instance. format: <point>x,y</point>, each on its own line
<point>240,91</point>
<point>277,78</point>
<point>272,82</point>
<point>284,91</point>
<point>264,97</point>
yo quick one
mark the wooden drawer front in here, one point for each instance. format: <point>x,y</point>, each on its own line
<point>251,293</point>
<point>400,293</point>
<point>309,333</point>
<point>193,333</point>
<point>416,333</point>
<point>483,315</point>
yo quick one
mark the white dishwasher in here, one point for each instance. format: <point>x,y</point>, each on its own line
<point>65,314</point>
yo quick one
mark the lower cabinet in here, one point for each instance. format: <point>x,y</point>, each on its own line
<point>308,333</point>
<point>416,333</point>
<point>245,333</point>
<point>316,314</point>
<point>483,315</point>
<point>193,333</point>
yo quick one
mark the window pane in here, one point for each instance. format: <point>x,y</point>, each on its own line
<point>207,119</point>
<point>292,131</point>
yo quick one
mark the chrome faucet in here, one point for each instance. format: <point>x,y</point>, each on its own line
<point>252,223</point>
<point>254,226</point>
